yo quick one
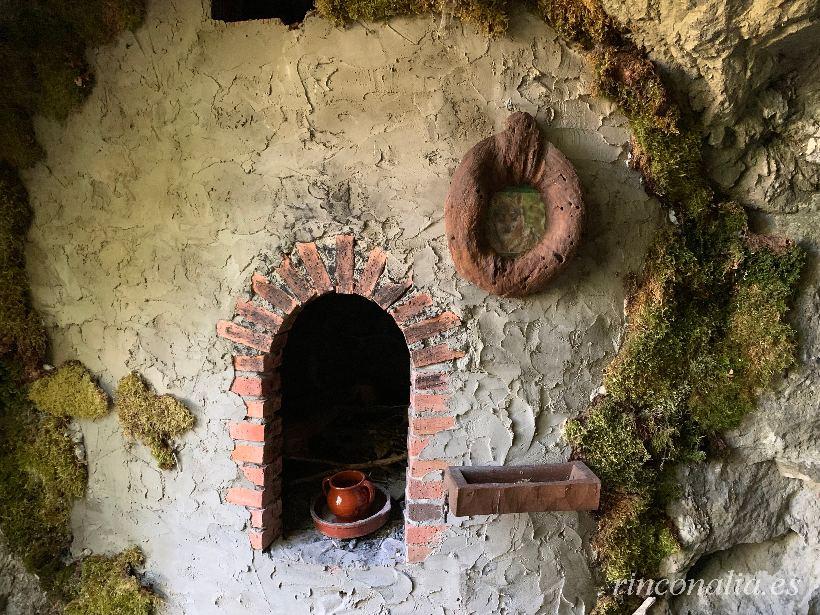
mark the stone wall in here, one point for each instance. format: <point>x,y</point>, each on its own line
<point>206,151</point>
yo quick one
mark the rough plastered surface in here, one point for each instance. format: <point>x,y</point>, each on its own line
<point>205,151</point>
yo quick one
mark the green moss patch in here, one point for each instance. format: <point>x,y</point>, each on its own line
<point>107,586</point>
<point>152,419</point>
<point>489,15</point>
<point>40,477</point>
<point>21,331</point>
<point>634,535</point>
<point>69,391</point>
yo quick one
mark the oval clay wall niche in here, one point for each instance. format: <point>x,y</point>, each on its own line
<point>498,239</point>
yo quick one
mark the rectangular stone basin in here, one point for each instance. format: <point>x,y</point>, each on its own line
<point>492,490</point>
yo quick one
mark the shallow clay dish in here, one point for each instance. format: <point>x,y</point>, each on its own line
<point>327,523</point>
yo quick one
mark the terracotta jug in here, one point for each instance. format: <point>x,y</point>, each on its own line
<point>349,494</point>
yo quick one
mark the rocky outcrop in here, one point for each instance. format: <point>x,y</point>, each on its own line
<point>747,67</point>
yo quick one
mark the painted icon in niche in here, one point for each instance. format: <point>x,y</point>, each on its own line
<point>516,220</point>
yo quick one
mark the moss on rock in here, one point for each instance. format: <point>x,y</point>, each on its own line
<point>69,391</point>
<point>634,535</point>
<point>608,439</point>
<point>706,327</point>
<point>152,419</point>
<point>107,586</point>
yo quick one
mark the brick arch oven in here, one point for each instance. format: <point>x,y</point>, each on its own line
<point>260,330</point>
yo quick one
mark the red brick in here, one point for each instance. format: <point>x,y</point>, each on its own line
<point>262,539</point>
<point>296,283</point>
<point>388,294</point>
<point>345,264</point>
<point>266,517</point>
<point>251,363</point>
<point>429,426</point>
<point>252,454</point>
<point>423,534</point>
<point>418,553</point>
<point>372,272</point>
<point>425,402</point>
<point>425,490</point>
<point>428,328</point>
<point>425,513</point>
<point>419,468</point>
<point>251,386</point>
<point>440,353</point>
<point>315,267</point>
<point>258,316</point>
<point>264,475</point>
<point>262,408</point>
<point>412,307</point>
<point>250,432</point>
<point>430,381</point>
<point>241,496</point>
<point>274,295</point>
<point>416,445</point>
<point>241,335</point>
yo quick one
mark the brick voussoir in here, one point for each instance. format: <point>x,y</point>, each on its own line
<point>274,295</point>
<point>388,294</point>
<point>410,308</point>
<point>372,272</point>
<point>315,267</point>
<point>345,264</point>
<point>259,316</point>
<point>244,336</point>
<point>294,280</point>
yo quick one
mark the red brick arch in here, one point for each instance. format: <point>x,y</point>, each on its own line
<point>260,327</point>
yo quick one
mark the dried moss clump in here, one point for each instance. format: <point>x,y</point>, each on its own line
<point>489,15</point>
<point>152,419</point>
<point>69,391</point>
<point>40,477</point>
<point>108,586</point>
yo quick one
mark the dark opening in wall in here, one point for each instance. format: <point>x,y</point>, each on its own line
<point>289,11</point>
<point>345,395</point>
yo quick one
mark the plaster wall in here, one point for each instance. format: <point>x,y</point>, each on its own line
<point>204,152</point>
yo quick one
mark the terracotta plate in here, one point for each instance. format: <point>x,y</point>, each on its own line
<point>327,523</point>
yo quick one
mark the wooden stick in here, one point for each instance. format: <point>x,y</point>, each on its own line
<point>355,466</point>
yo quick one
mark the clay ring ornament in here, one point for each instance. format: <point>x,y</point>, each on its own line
<point>518,155</point>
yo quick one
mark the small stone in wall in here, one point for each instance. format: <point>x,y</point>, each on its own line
<point>152,419</point>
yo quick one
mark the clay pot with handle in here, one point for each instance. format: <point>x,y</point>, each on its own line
<point>349,494</point>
